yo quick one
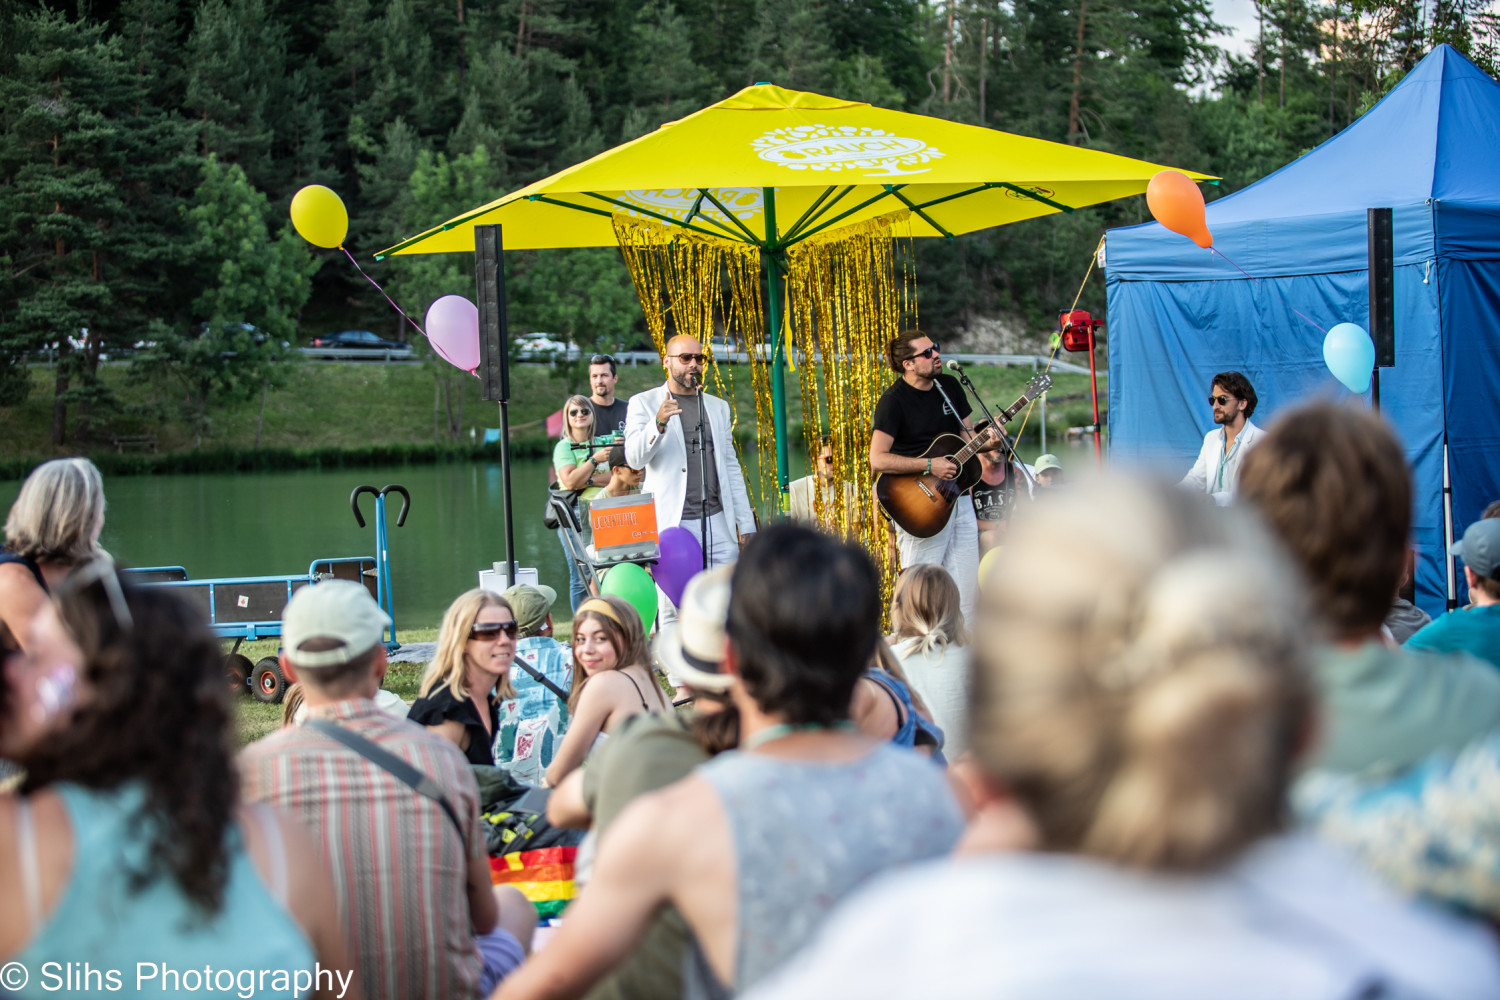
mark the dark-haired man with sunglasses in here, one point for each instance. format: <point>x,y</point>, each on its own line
<point>1217,471</point>
<point>609,411</point>
<point>918,407</point>
<point>680,436</point>
<point>815,499</point>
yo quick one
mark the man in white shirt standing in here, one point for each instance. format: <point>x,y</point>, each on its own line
<point>1217,471</point>
<point>681,437</point>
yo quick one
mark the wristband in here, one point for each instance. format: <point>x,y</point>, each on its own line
<point>929,467</point>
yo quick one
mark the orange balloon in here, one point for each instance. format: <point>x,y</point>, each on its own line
<point>1176,203</point>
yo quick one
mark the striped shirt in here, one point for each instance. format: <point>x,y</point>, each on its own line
<point>398,868</point>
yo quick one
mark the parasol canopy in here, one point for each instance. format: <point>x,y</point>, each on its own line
<point>772,167</point>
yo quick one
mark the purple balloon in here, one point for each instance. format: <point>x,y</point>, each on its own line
<point>453,331</point>
<point>681,560</point>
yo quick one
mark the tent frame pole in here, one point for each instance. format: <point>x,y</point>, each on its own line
<point>772,255</point>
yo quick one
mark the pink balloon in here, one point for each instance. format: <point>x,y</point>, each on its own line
<point>453,331</point>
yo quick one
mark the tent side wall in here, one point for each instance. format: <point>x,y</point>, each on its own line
<point>1468,276</point>
<point>1174,323</point>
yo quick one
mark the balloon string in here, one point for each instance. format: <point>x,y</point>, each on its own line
<point>1273,288</point>
<point>431,343</point>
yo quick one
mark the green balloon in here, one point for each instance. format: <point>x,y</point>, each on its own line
<point>631,583</point>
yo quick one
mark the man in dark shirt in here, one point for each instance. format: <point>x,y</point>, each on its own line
<point>1002,486</point>
<point>919,406</point>
<point>609,412</point>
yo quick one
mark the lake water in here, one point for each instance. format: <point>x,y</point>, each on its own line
<point>276,523</point>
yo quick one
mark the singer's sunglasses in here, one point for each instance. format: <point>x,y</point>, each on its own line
<point>491,630</point>
<point>929,353</point>
<point>1221,400</point>
<point>689,359</point>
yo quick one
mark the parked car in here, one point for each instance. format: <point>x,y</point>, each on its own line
<point>542,347</point>
<point>359,339</point>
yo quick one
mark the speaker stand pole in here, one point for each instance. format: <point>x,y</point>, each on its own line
<point>494,363</point>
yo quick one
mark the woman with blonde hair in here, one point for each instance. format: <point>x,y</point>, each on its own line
<point>612,679</point>
<point>579,463</point>
<point>931,644</point>
<point>52,527</point>
<point>463,686</point>
<point>1141,697</point>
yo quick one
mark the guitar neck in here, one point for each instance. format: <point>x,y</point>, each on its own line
<point>972,448</point>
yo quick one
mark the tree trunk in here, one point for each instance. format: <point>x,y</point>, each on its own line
<point>1333,68</point>
<point>1074,125</point>
<point>1285,14</point>
<point>261,420</point>
<point>984,44</point>
<point>437,406</point>
<point>60,393</point>
<point>1260,56</point>
<point>948,56</point>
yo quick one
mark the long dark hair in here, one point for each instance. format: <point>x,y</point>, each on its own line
<point>158,714</point>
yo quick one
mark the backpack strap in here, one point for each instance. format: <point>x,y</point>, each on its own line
<point>393,765</point>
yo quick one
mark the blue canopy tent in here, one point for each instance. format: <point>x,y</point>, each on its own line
<point>1430,150</point>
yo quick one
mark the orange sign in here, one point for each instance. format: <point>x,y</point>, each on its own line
<point>624,524</point>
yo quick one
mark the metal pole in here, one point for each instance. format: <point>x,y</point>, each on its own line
<point>1094,393</point>
<point>1449,572</point>
<point>778,347</point>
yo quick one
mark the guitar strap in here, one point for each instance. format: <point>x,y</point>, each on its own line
<point>938,384</point>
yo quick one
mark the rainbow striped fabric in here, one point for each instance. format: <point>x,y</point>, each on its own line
<point>545,877</point>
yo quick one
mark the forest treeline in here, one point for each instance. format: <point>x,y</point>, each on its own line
<point>149,149</point>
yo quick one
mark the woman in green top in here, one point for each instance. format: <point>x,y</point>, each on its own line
<point>579,465</point>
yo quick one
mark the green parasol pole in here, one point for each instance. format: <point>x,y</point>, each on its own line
<point>778,347</point>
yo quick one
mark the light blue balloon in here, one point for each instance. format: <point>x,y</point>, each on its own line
<point>1350,355</point>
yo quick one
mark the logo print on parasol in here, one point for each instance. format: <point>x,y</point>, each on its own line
<point>875,152</point>
<point>745,203</point>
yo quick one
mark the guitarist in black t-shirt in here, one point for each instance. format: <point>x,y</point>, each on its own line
<point>918,408</point>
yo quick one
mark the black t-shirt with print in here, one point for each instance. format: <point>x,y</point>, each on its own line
<point>914,417</point>
<point>998,502</point>
<point>609,421</point>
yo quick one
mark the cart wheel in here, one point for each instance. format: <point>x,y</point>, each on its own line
<point>237,670</point>
<point>269,685</point>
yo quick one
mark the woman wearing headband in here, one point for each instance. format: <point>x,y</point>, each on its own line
<point>464,684</point>
<point>128,846</point>
<point>612,679</point>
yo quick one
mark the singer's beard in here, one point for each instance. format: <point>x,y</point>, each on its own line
<point>687,381</point>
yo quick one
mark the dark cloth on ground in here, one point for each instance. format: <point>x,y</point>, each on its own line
<point>914,417</point>
<point>439,705</point>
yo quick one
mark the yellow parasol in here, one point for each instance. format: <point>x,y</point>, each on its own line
<point>772,167</point>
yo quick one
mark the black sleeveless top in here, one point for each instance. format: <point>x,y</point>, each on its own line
<point>8,642</point>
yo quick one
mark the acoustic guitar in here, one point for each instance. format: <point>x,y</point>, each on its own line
<point>921,502</point>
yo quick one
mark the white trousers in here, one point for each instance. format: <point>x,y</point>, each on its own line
<point>723,547</point>
<point>955,548</point>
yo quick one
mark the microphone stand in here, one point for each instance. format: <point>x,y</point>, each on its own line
<point>702,480</point>
<point>1010,449</point>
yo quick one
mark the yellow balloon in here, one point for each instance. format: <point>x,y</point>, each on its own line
<point>319,216</point>
<point>987,566</point>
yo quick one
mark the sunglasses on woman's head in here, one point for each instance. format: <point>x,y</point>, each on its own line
<point>492,630</point>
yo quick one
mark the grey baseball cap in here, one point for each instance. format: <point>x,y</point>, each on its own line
<point>341,610</point>
<point>1480,546</point>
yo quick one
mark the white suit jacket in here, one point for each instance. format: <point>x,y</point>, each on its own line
<point>1216,473</point>
<point>664,456</point>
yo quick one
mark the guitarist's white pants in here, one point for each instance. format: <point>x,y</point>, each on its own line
<point>955,548</point>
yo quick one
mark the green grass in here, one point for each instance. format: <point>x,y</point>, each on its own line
<point>254,719</point>
<point>364,413</point>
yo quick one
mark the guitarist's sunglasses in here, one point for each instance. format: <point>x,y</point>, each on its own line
<point>930,352</point>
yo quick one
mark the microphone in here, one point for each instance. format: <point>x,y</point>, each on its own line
<point>953,366</point>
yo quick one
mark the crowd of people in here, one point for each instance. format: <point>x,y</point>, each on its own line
<point>1163,742</point>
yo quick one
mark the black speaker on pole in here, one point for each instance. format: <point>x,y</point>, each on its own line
<point>1382,287</point>
<point>494,362</point>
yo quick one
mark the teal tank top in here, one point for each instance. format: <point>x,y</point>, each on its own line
<point>155,941</point>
